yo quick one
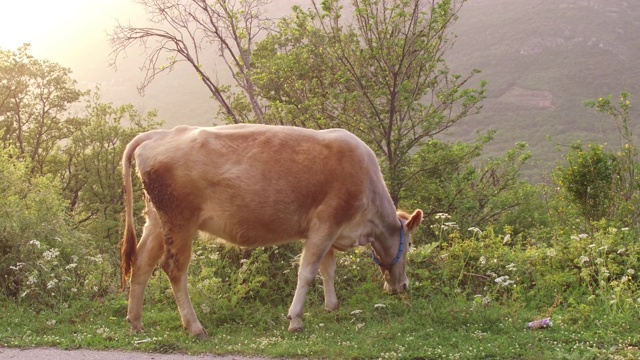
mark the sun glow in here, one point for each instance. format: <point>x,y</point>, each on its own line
<point>36,20</point>
<point>48,24</point>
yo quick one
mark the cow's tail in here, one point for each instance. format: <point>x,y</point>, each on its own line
<point>129,241</point>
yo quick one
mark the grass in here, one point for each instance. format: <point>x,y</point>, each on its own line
<point>372,326</point>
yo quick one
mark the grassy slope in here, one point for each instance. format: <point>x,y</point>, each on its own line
<point>436,327</point>
<point>574,50</point>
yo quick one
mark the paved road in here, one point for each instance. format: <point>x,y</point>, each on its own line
<point>56,354</point>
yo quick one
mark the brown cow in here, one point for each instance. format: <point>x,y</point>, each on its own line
<point>257,185</point>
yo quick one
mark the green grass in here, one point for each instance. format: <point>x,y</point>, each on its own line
<point>405,327</point>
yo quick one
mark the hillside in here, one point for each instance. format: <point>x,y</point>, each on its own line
<point>542,60</point>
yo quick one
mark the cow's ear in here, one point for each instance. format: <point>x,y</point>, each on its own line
<point>415,220</point>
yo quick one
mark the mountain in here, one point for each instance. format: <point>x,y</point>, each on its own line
<point>542,59</point>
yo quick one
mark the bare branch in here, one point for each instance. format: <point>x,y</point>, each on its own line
<point>195,31</point>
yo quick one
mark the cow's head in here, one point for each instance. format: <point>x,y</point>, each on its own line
<point>393,272</point>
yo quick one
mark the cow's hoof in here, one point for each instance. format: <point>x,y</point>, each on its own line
<point>136,330</point>
<point>202,336</point>
<point>332,307</point>
<point>198,332</point>
<point>135,327</point>
<point>295,326</point>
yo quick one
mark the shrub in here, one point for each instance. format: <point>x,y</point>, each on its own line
<point>42,254</point>
<point>544,270</point>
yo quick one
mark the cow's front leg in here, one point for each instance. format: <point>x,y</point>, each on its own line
<point>312,255</point>
<point>328,272</point>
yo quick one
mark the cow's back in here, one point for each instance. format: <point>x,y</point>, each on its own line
<point>258,185</point>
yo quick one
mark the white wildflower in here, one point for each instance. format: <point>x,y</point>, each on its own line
<point>631,271</point>
<point>483,260</point>
<point>551,252</point>
<point>507,239</point>
<point>18,266</point>
<point>51,322</point>
<point>442,216</point>
<point>35,242</point>
<point>511,267</point>
<point>52,283</point>
<point>378,306</point>
<point>583,259</point>
<point>504,281</point>
<point>575,238</point>
<point>355,312</point>
<point>450,225</point>
<point>51,254</point>
<point>71,266</point>
<point>475,230</point>
<point>583,236</point>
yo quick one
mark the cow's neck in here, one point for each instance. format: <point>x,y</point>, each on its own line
<point>387,234</point>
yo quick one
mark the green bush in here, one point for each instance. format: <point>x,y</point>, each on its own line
<point>43,262</point>
<point>546,269</point>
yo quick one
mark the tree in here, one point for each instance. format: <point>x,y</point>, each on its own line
<point>600,182</point>
<point>474,193</point>
<point>186,31</point>
<point>382,76</point>
<point>91,175</point>
<point>35,96</point>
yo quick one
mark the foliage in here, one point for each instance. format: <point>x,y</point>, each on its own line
<point>450,180</point>
<point>35,95</point>
<point>599,183</point>
<point>382,76</point>
<point>475,288</point>
<point>588,179</point>
<point>184,30</point>
<point>38,243</point>
<point>237,276</point>
<point>570,270</point>
<point>65,205</point>
<point>91,175</point>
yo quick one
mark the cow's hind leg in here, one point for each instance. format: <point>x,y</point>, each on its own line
<point>314,250</point>
<point>178,245</point>
<point>148,254</point>
<point>328,272</point>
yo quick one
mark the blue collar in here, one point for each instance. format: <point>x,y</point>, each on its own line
<point>398,256</point>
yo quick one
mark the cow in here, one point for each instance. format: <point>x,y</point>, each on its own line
<point>258,185</point>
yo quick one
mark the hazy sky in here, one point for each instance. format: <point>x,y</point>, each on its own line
<point>61,29</point>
